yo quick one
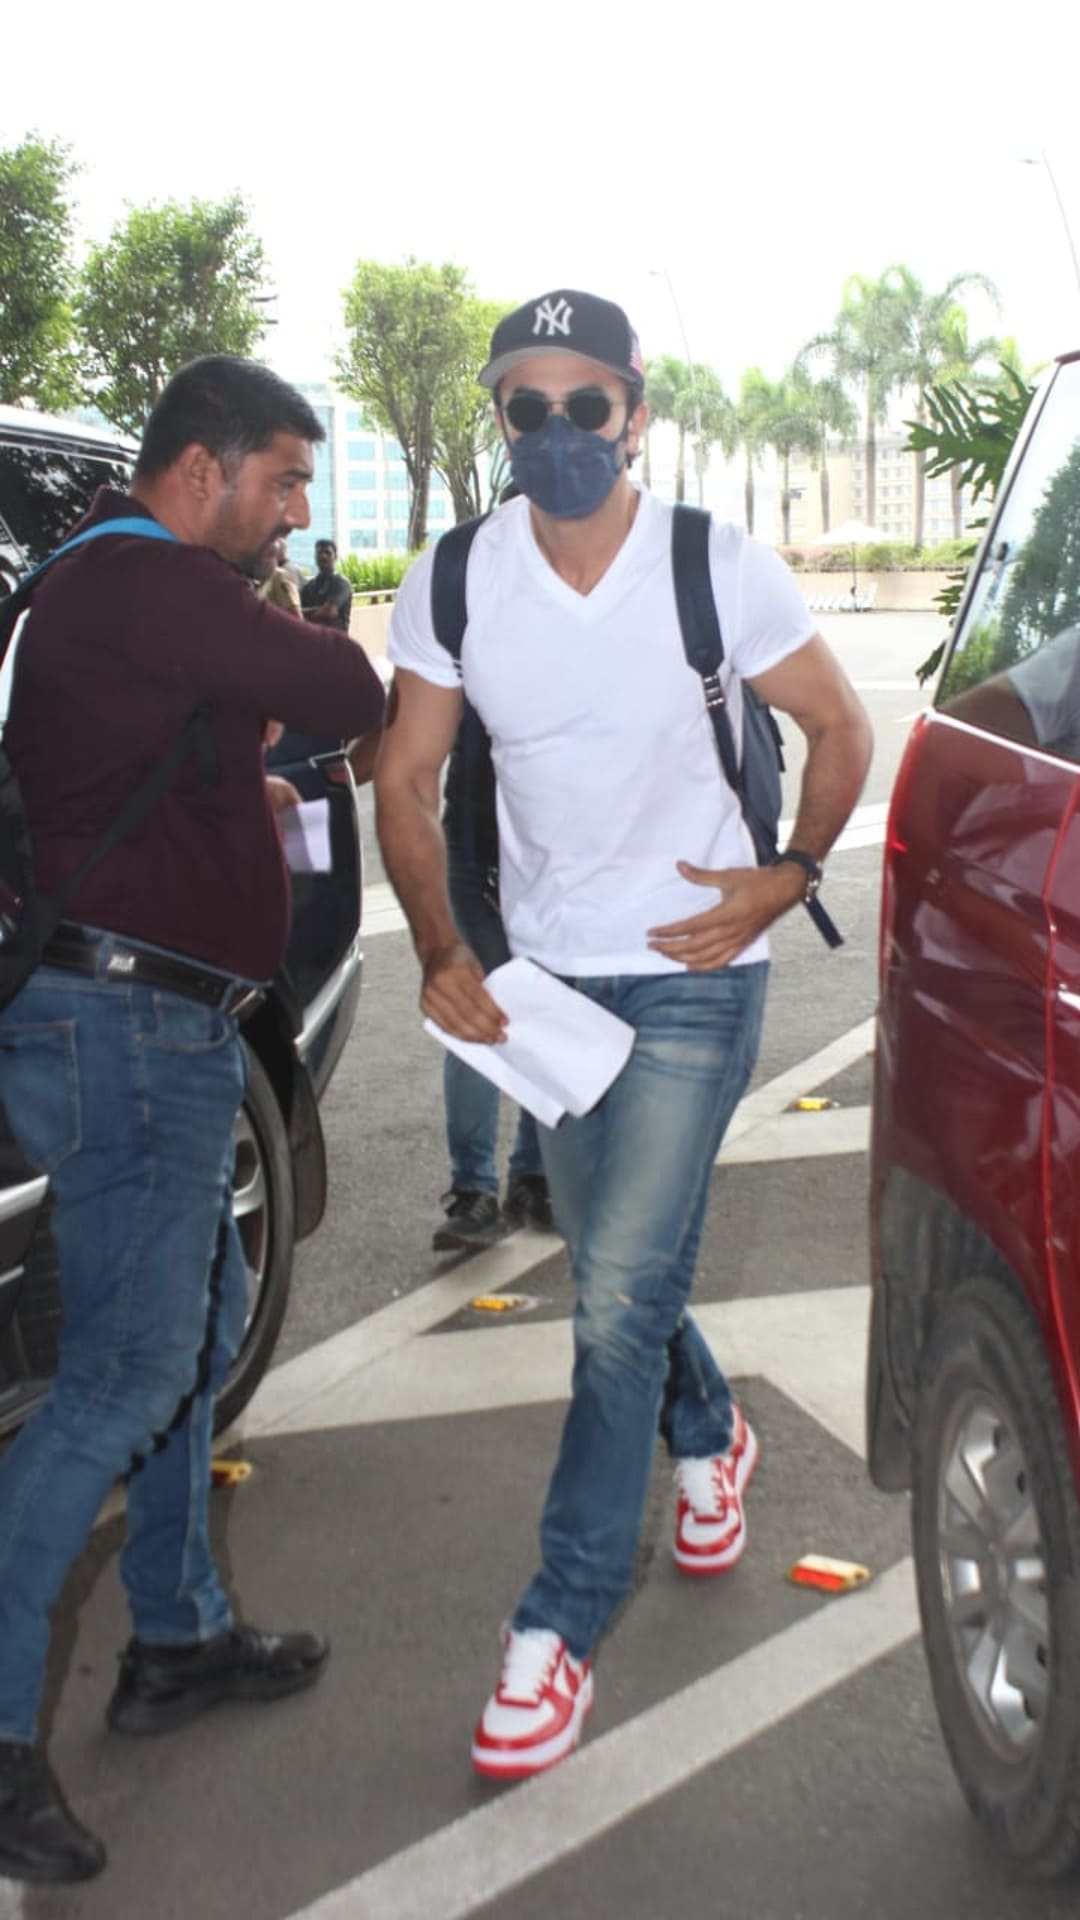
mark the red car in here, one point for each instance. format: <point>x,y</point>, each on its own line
<point>973,1394</point>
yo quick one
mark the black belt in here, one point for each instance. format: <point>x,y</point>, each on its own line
<point>76,952</point>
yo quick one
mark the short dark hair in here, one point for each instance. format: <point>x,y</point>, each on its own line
<point>326,542</point>
<point>230,406</point>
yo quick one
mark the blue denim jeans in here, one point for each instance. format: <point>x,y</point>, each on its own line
<point>472,1103</point>
<point>629,1187</point>
<point>126,1098</point>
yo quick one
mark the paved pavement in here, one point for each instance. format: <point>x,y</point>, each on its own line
<point>756,1749</point>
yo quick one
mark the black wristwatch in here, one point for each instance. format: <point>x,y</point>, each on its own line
<point>813,869</point>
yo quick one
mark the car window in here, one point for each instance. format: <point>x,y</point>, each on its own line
<point>1015,664</point>
<point>43,490</point>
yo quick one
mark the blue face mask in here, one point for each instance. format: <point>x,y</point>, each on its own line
<point>565,470</point>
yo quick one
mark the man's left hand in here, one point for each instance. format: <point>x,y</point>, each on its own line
<point>752,898</point>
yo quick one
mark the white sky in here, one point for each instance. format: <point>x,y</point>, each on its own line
<point>756,160</point>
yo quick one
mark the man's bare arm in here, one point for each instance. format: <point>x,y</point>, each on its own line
<point>812,688</point>
<point>418,732</point>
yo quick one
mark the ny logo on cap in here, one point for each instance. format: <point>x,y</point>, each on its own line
<point>556,318</point>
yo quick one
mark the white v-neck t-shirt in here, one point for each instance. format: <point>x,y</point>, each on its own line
<point>604,754</point>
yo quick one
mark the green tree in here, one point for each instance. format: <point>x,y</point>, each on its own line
<point>666,383</point>
<point>969,431</point>
<point>37,362</point>
<point>865,349</point>
<point>465,435</point>
<point>827,408</point>
<point>411,355</point>
<point>789,427</point>
<point>170,283</point>
<point>936,347</point>
<point>754,412</point>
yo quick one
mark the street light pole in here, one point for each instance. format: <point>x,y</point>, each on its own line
<point>1029,160</point>
<point>661,273</point>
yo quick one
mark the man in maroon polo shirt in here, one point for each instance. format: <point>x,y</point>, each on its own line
<point>121,1065</point>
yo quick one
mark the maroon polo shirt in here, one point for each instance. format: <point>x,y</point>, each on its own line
<point>124,639</point>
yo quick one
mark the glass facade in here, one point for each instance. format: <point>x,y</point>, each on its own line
<point>360,493</point>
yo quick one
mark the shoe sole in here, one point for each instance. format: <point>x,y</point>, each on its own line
<point>697,1565</point>
<point>491,1764</point>
<point>162,1716</point>
<point>12,1868</point>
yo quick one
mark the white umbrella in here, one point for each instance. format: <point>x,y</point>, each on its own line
<point>850,533</point>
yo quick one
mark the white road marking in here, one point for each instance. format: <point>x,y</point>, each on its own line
<point>809,1345</point>
<point>297,1394</point>
<point>801,1136</point>
<point>12,1906</point>
<point>488,1853</point>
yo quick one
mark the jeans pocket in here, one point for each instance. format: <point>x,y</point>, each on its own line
<point>187,1026</point>
<point>39,1087</point>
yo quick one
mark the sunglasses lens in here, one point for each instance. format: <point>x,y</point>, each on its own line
<point>527,412</point>
<point>589,408</point>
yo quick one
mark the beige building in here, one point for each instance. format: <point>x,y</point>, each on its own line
<point>894,510</point>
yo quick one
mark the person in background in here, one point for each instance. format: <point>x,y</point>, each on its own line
<point>121,1061</point>
<point>279,586</point>
<point>327,597</point>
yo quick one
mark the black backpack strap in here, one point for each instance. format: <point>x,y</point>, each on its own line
<point>469,810</point>
<point>703,645</point>
<point>449,574</point>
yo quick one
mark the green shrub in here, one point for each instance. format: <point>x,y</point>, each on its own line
<point>383,573</point>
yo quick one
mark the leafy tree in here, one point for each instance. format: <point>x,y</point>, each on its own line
<point>169,284</point>
<point>827,409</point>
<point>467,447</point>
<point>935,348</point>
<point>788,427</point>
<point>755,410</point>
<point>666,383</point>
<point>969,431</point>
<point>412,358</point>
<point>36,359</point>
<point>865,349</point>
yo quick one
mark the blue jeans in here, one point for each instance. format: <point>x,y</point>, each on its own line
<point>471,1102</point>
<point>629,1187</point>
<point>126,1098</point>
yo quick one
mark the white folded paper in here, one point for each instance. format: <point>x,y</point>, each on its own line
<point>561,1051</point>
<point>305,835</point>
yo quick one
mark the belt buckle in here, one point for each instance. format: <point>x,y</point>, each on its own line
<point>240,1000</point>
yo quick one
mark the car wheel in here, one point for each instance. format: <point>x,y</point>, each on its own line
<point>264,1209</point>
<point>996,1530</point>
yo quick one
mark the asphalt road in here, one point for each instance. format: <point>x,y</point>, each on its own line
<point>756,1751</point>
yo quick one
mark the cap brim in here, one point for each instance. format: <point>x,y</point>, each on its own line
<point>490,375</point>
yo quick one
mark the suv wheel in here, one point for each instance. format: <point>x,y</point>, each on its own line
<point>264,1207</point>
<point>996,1529</point>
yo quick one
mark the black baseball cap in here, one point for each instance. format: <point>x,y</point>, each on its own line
<point>566,321</point>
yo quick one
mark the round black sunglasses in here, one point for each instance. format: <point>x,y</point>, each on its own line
<point>587,407</point>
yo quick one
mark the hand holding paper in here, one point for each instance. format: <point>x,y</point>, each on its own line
<point>562,1051</point>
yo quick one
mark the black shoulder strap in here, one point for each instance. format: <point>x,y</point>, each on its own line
<point>703,645</point>
<point>449,572</point>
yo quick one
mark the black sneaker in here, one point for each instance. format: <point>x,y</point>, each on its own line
<point>163,1687</point>
<point>40,1838</point>
<point>528,1202</point>
<point>473,1220</point>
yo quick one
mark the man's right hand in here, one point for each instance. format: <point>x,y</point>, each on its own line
<point>455,997</point>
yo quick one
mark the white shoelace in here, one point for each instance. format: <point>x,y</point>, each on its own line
<point>704,1486</point>
<point>528,1662</point>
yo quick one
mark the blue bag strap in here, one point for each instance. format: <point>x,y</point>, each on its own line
<point>17,602</point>
<point>703,645</point>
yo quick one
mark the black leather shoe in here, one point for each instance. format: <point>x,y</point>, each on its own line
<point>40,1839</point>
<point>528,1202</point>
<point>163,1687</point>
<point>473,1220</point>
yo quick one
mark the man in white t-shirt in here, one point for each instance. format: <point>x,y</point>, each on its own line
<point>625,868</point>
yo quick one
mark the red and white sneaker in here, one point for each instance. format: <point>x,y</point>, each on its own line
<point>710,1529</point>
<point>535,1715</point>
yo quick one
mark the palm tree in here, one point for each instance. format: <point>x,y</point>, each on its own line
<point>756,407</point>
<point>790,426</point>
<point>827,406</point>
<point>936,348</point>
<point>708,417</point>
<point>665,382</point>
<point>865,347</point>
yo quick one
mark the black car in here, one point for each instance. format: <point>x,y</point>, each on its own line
<point>49,472</point>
